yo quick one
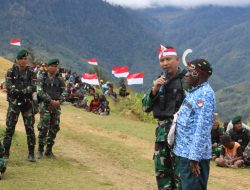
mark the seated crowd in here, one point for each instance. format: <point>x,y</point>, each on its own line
<point>231,148</point>
<point>78,91</point>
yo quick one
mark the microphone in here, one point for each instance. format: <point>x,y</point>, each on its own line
<point>161,90</point>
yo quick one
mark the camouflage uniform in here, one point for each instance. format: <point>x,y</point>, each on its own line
<point>2,161</point>
<point>166,163</point>
<point>20,87</point>
<point>49,89</point>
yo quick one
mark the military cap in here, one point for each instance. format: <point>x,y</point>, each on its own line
<point>202,66</point>
<point>22,53</point>
<point>53,62</point>
<point>236,119</point>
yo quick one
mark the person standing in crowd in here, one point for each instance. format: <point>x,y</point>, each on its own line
<point>164,100</point>
<point>238,133</point>
<point>51,93</point>
<point>20,83</point>
<point>193,127</point>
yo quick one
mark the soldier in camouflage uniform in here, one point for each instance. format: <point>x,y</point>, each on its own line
<point>164,100</point>
<point>20,83</point>
<point>2,161</point>
<point>51,93</point>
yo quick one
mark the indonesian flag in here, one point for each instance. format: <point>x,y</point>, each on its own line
<point>15,42</point>
<point>136,78</point>
<point>114,69</point>
<point>163,51</point>
<point>121,72</point>
<point>90,79</point>
<point>92,61</point>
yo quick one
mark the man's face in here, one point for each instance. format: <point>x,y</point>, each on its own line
<point>23,62</point>
<point>169,64</point>
<point>238,126</point>
<point>192,77</point>
<point>52,69</point>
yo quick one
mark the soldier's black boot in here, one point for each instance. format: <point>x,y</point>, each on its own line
<point>40,151</point>
<point>6,152</point>
<point>48,151</point>
<point>31,156</point>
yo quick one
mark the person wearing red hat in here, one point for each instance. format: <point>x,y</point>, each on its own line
<point>164,100</point>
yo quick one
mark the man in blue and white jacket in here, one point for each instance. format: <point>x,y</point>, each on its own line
<point>193,129</point>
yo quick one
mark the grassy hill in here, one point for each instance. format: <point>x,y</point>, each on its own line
<point>5,65</point>
<point>96,152</point>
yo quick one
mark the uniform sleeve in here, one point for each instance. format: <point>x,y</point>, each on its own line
<point>202,124</point>
<point>11,88</point>
<point>148,101</point>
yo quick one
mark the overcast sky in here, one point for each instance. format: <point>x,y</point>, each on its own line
<point>179,3</point>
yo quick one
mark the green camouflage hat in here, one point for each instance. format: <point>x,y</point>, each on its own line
<point>22,53</point>
<point>236,119</point>
<point>53,62</point>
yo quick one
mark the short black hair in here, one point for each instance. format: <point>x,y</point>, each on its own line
<point>226,139</point>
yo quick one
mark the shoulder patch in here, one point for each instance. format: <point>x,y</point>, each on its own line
<point>200,103</point>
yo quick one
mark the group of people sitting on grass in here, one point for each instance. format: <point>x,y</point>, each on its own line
<point>79,92</point>
<point>231,144</point>
<point>99,104</point>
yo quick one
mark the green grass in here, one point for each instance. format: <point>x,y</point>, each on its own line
<point>100,153</point>
<point>59,173</point>
<point>127,157</point>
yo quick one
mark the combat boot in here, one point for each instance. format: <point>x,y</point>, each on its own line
<point>48,152</point>
<point>31,156</point>
<point>6,152</point>
<point>40,151</point>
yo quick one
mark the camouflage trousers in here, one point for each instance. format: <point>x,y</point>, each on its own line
<point>166,163</point>
<point>11,120</point>
<point>48,125</point>
<point>2,160</point>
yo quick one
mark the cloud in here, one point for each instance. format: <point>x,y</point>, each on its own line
<point>178,3</point>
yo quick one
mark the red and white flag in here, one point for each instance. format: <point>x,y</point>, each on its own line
<point>15,42</point>
<point>121,72</point>
<point>114,69</point>
<point>136,78</point>
<point>92,61</point>
<point>90,79</point>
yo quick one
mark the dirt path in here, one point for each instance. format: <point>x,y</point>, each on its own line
<point>121,177</point>
<point>104,166</point>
